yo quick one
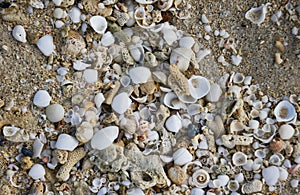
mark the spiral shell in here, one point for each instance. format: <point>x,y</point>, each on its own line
<point>200,178</point>
<point>277,145</point>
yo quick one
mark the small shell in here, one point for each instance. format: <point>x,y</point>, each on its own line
<point>257,15</point>
<point>186,42</point>
<point>214,93</point>
<point>90,75</point>
<point>104,137</point>
<point>182,156</point>
<point>238,78</point>
<point>252,187</point>
<point>99,99</point>
<point>200,178</point>
<point>271,175</point>
<point>164,5</point>
<point>199,86</point>
<point>37,148</point>
<point>177,175</point>
<point>45,44</point>
<point>75,14</point>
<point>275,159</point>
<point>277,145</point>
<point>173,123</point>
<point>99,24</point>
<point>181,57</point>
<point>139,74</point>
<point>137,52</point>
<point>41,99</point>
<point>285,111</point>
<point>66,142</point>
<point>9,131</point>
<point>135,191</point>
<point>233,185</point>
<point>286,131</point>
<point>84,132</point>
<point>37,171</point>
<point>239,159</point>
<point>19,33</point>
<point>55,113</point>
<point>107,39</point>
<point>121,103</point>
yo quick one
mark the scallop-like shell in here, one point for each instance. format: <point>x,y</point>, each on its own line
<point>200,178</point>
<point>19,33</point>
<point>257,15</point>
<point>104,137</point>
<point>99,24</point>
<point>173,123</point>
<point>285,111</point>
<point>252,187</point>
<point>277,145</point>
<point>199,86</point>
<point>121,103</point>
<point>139,74</point>
<point>239,159</point>
<point>9,131</point>
<point>177,175</point>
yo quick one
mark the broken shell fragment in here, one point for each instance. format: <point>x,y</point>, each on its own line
<point>99,24</point>
<point>285,111</point>
<point>177,175</point>
<point>257,15</point>
<point>252,187</point>
<point>214,93</point>
<point>41,99</point>
<point>84,132</point>
<point>199,86</point>
<point>55,113</point>
<point>271,175</point>
<point>45,44</point>
<point>9,131</point>
<point>19,33</point>
<point>181,57</point>
<point>104,137</point>
<point>37,171</point>
<point>139,74</point>
<point>286,131</point>
<point>182,156</point>
<point>173,123</point>
<point>66,142</point>
<point>121,103</point>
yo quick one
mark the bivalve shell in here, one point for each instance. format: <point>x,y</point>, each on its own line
<point>37,171</point>
<point>214,93</point>
<point>66,142</point>
<point>46,45</point>
<point>286,131</point>
<point>41,99</point>
<point>257,15</point>
<point>271,175</point>
<point>121,103</point>
<point>173,123</point>
<point>99,24</point>
<point>182,156</point>
<point>55,113</point>
<point>84,132</point>
<point>199,86</point>
<point>181,57</point>
<point>139,74</point>
<point>104,137</point>
<point>239,159</point>
<point>19,33</point>
<point>285,111</point>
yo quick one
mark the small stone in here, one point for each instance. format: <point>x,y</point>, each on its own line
<point>27,152</point>
<point>55,113</point>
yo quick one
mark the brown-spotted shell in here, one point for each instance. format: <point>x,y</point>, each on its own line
<point>277,145</point>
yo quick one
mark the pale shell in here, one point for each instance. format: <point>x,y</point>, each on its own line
<point>107,39</point>
<point>214,93</point>
<point>46,45</point>
<point>186,42</point>
<point>55,113</point>
<point>90,75</point>
<point>9,131</point>
<point>41,99</point>
<point>37,148</point>
<point>257,15</point>
<point>285,111</point>
<point>199,86</point>
<point>197,191</point>
<point>139,74</point>
<point>181,57</point>
<point>173,123</point>
<point>135,191</point>
<point>177,175</point>
<point>200,178</point>
<point>145,2</point>
<point>233,185</point>
<point>84,132</point>
<point>104,137</point>
<point>169,101</point>
<point>121,103</point>
<point>99,99</point>
<point>251,187</point>
<point>137,52</point>
<point>66,142</point>
<point>169,36</point>
<point>75,15</point>
<point>239,159</point>
<point>19,33</point>
<point>286,131</point>
<point>182,156</point>
<point>271,175</point>
<point>99,24</point>
<point>37,171</point>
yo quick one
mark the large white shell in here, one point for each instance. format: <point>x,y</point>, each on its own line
<point>181,57</point>
<point>41,99</point>
<point>199,86</point>
<point>9,131</point>
<point>286,131</point>
<point>99,99</point>
<point>239,159</point>
<point>66,142</point>
<point>173,123</point>
<point>99,24</point>
<point>285,111</point>
<point>139,74</point>
<point>171,100</point>
<point>182,156</point>
<point>121,103</point>
<point>46,45</point>
<point>271,175</point>
<point>104,137</point>
<point>37,148</point>
<point>19,33</point>
<point>37,171</point>
<point>214,93</point>
<point>257,15</point>
<point>55,113</point>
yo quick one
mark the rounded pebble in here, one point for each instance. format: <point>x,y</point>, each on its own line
<point>55,113</point>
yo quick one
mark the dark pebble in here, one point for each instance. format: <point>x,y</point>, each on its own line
<point>27,152</point>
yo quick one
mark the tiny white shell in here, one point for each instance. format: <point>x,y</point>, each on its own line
<point>37,171</point>
<point>137,52</point>
<point>125,80</point>
<point>75,15</point>
<point>233,185</point>
<point>169,100</point>
<point>169,36</point>
<point>283,174</point>
<point>41,98</point>
<point>99,99</point>
<point>200,178</point>
<point>199,86</point>
<point>173,123</point>
<point>224,179</point>
<point>286,131</point>
<point>181,57</point>
<point>121,103</point>
<point>90,75</point>
<point>186,42</point>
<point>197,191</point>
<point>285,111</point>
<point>9,131</point>
<point>139,74</point>
<point>239,159</point>
<point>79,65</point>
<point>182,156</point>
<point>104,137</point>
<point>45,44</point>
<point>99,24</point>
<point>55,113</point>
<point>107,39</point>
<point>239,178</point>
<point>66,142</point>
<point>19,33</point>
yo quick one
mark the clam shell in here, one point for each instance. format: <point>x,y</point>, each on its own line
<point>173,123</point>
<point>90,75</point>
<point>41,98</point>
<point>139,74</point>
<point>45,44</point>
<point>181,57</point>
<point>257,15</point>
<point>19,33</point>
<point>66,142</point>
<point>169,99</point>
<point>214,93</point>
<point>9,131</point>
<point>55,113</point>
<point>286,131</point>
<point>99,24</point>
<point>284,111</point>
<point>182,156</point>
<point>104,137</point>
<point>239,159</point>
<point>137,52</point>
<point>99,99</point>
<point>107,39</point>
<point>121,103</point>
<point>271,175</point>
<point>37,171</point>
<point>199,86</point>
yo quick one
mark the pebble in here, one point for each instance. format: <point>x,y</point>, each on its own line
<point>55,113</point>
<point>75,15</point>
<point>66,142</point>
<point>27,152</point>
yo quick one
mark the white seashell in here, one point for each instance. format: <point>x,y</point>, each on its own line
<point>182,156</point>
<point>286,131</point>
<point>37,148</point>
<point>173,123</point>
<point>84,132</point>
<point>181,57</point>
<point>41,98</point>
<point>275,159</point>
<point>145,2</point>
<point>253,124</point>
<point>236,59</point>
<point>140,13</point>
<point>75,15</point>
<point>140,99</point>
<point>166,159</point>
<point>59,24</point>
<point>257,163</point>
<point>233,185</point>
<point>214,93</point>
<point>197,191</point>
<point>294,183</point>
<point>285,111</point>
<point>66,142</point>
<point>236,125</point>
<point>19,33</point>
<point>186,42</point>
<point>137,52</point>
<point>90,75</point>
<point>104,137</point>
<point>135,191</point>
<point>251,187</point>
<point>169,100</point>
<point>59,13</point>
<point>139,74</point>
<point>283,174</point>
<point>121,103</point>
<point>9,131</point>
<point>239,178</point>
<point>238,78</point>
<point>57,2</point>
<point>199,86</point>
<point>200,178</point>
<point>193,109</point>
<point>37,171</point>
<point>45,44</point>
<point>107,39</point>
<point>99,24</point>
<point>79,65</point>
<point>257,15</point>
<point>239,159</point>
<point>55,113</point>
<point>169,36</point>
<point>248,165</point>
<point>271,175</point>
<point>224,179</point>
<point>99,99</point>
<point>125,80</point>
<point>202,53</point>
<point>260,153</point>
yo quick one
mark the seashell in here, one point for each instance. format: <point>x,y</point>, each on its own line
<point>90,75</point>
<point>285,111</point>
<point>275,160</point>
<point>239,159</point>
<point>252,187</point>
<point>239,177</point>
<point>37,148</point>
<point>248,165</point>
<point>55,113</point>
<point>182,156</point>
<point>74,44</point>
<point>224,179</point>
<point>140,13</point>
<point>214,93</point>
<point>186,42</point>
<point>173,123</point>
<point>9,131</point>
<point>257,15</point>
<point>150,60</point>
<point>236,125</point>
<point>99,24</point>
<point>277,145</point>
<point>201,54</point>
<point>129,123</point>
<point>99,99</point>
<point>75,15</point>
<point>164,5</point>
<point>66,142</point>
<point>107,39</point>
<point>294,183</point>
<point>217,126</point>
<point>257,163</point>
<point>104,137</point>
<point>125,80</point>
<point>286,131</point>
<point>188,99</point>
<point>181,57</point>
<point>139,74</point>
<point>197,191</point>
<point>37,171</point>
<point>121,103</point>
<point>84,132</point>
<point>135,191</point>
<point>177,175</point>
<point>265,134</point>
<point>238,78</point>
<point>169,36</point>
<point>199,86</point>
<point>233,185</point>
<point>59,13</point>
<point>260,153</point>
<point>19,33</point>
<point>200,178</point>
<point>194,109</point>
<point>41,99</point>
<point>137,52</point>
<point>253,124</point>
<point>45,44</point>
<point>145,2</point>
<point>271,175</point>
